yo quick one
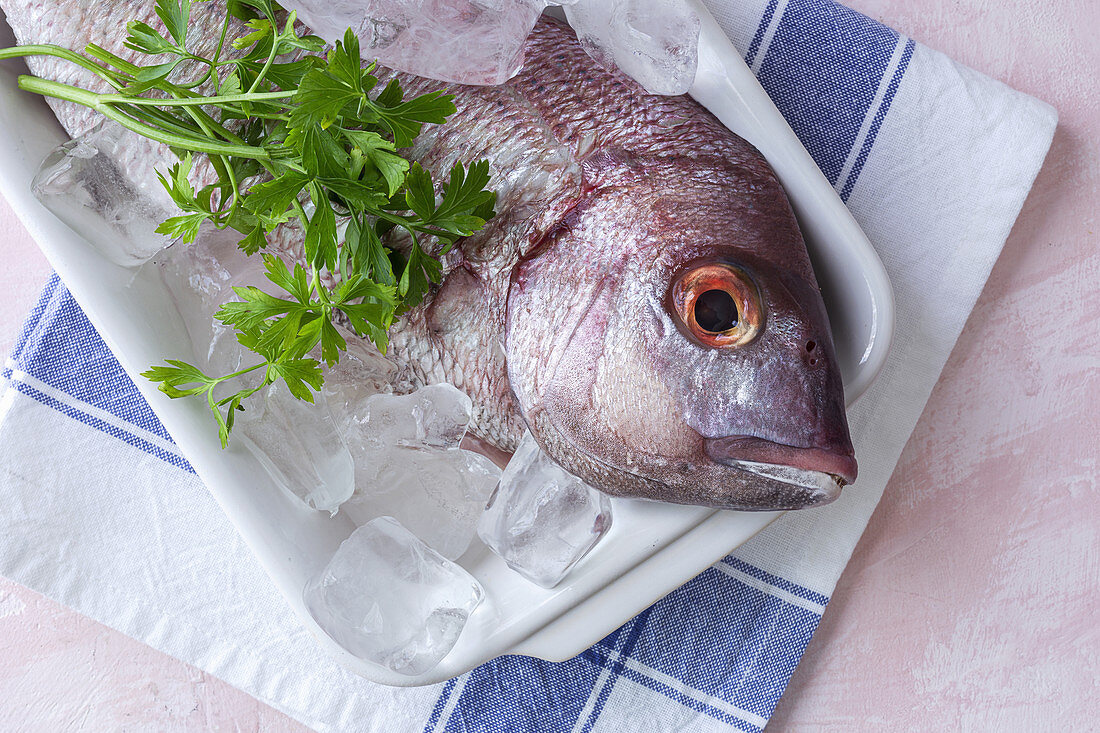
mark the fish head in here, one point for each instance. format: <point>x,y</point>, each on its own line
<point>668,340</point>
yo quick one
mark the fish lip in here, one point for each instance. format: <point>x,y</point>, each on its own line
<point>738,450</point>
<point>814,488</point>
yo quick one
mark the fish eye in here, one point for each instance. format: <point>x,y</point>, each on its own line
<point>718,305</point>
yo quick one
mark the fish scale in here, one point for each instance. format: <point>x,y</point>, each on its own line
<point>559,316</point>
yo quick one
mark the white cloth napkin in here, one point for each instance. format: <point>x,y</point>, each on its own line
<point>99,511</point>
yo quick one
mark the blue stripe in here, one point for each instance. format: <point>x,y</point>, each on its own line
<point>793,588</point>
<point>883,109</point>
<point>637,624</point>
<point>30,325</point>
<point>822,69</point>
<point>61,348</point>
<point>105,427</point>
<point>514,694</point>
<point>742,651</point>
<point>673,694</point>
<point>760,31</point>
<point>441,703</point>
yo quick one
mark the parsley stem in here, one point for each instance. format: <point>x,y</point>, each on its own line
<point>208,124</point>
<point>221,164</point>
<point>315,283</point>
<point>301,212</point>
<point>102,54</point>
<point>246,370</point>
<point>163,120</point>
<point>267,64</point>
<point>194,101</point>
<point>218,50</point>
<point>94,101</point>
<point>109,76</point>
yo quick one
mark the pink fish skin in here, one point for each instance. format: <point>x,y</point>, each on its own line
<point>643,302</point>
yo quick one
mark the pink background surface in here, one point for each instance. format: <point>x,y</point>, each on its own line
<point>971,601</point>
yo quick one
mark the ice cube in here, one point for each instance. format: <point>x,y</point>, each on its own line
<point>200,277</point>
<point>654,41</point>
<point>300,446</point>
<point>463,41</point>
<point>437,494</point>
<point>388,598</point>
<point>87,184</point>
<point>361,372</point>
<point>542,520</point>
<point>435,416</point>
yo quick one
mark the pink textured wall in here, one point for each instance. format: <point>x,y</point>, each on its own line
<point>970,602</point>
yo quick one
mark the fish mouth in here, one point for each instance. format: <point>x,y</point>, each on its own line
<point>811,468</point>
<point>817,487</point>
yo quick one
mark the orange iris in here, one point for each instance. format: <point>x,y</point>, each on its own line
<point>719,305</point>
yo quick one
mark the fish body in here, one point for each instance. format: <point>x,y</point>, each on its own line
<point>643,301</point>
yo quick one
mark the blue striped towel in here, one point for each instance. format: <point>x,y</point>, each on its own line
<point>935,161</point>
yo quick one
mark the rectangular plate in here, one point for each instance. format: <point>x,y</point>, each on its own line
<point>651,548</point>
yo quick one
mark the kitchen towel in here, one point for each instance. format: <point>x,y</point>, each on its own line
<point>100,511</point>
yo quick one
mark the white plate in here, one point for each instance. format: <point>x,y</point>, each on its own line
<point>651,548</point>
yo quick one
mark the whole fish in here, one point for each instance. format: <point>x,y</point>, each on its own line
<point>643,301</point>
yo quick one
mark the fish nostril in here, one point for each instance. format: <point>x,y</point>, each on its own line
<point>716,311</point>
<point>811,345</point>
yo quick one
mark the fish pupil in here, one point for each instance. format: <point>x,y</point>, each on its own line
<point>715,311</point>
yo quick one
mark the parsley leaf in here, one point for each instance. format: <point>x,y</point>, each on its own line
<point>197,208</point>
<point>420,272</point>
<point>299,374</point>
<point>271,199</point>
<point>144,39</point>
<point>174,378</point>
<point>175,15</point>
<point>320,98</point>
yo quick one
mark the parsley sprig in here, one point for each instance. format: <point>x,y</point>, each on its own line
<point>298,137</point>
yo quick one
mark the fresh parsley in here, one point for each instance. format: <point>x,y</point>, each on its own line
<point>299,135</point>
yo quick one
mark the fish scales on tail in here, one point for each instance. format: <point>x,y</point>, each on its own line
<point>643,301</point>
